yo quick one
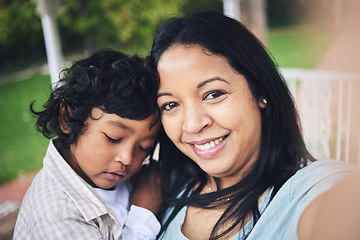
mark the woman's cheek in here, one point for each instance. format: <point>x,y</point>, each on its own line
<point>170,126</point>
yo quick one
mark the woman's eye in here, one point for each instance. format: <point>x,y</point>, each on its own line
<point>168,106</point>
<point>213,94</point>
<point>112,140</point>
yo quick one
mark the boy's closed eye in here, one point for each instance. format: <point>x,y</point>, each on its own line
<point>118,140</point>
<point>113,140</point>
<point>146,149</point>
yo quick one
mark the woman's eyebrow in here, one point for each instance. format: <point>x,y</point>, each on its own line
<point>206,81</point>
<point>163,94</point>
<point>211,80</point>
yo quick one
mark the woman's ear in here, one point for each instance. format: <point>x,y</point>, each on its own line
<point>63,117</point>
<point>262,102</point>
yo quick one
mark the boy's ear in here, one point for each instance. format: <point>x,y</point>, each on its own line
<point>63,117</point>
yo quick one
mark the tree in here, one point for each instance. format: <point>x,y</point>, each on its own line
<point>19,21</point>
<point>127,25</point>
<point>123,24</point>
<point>113,23</point>
<point>21,38</point>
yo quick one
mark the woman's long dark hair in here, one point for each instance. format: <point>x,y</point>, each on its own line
<point>282,150</point>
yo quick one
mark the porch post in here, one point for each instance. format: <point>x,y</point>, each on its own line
<point>232,8</point>
<point>46,10</point>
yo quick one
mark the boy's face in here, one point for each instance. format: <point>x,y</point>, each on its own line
<point>111,149</point>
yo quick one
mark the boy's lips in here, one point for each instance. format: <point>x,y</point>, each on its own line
<point>116,175</point>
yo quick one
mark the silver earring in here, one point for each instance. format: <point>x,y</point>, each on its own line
<point>264,101</point>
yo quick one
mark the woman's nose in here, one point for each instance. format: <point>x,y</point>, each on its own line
<point>195,119</point>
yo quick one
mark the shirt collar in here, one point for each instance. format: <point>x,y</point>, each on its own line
<point>80,192</point>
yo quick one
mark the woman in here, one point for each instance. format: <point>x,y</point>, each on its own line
<point>236,166</point>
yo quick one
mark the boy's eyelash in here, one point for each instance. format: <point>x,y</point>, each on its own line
<point>112,139</point>
<point>147,150</point>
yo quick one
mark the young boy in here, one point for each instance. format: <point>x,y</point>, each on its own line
<point>103,115</point>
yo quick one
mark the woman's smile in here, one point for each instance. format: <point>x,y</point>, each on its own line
<point>208,149</point>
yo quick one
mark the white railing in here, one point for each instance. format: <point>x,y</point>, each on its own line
<point>329,108</point>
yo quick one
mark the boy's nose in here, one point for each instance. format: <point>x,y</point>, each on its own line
<point>125,156</point>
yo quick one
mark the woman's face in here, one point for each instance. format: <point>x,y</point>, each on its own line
<point>209,112</point>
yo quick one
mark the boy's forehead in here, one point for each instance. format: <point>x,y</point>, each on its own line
<point>132,125</point>
<point>151,123</point>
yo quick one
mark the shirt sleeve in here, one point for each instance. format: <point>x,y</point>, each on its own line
<point>141,224</point>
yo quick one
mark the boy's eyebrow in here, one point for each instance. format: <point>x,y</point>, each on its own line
<point>118,124</point>
<point>163,94</point>
<point>123,126</point>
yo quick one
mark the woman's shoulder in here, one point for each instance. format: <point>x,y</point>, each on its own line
<point>340,198</point>
<point>315,173</point>
<point>327,165</point>
<point>291,200</point>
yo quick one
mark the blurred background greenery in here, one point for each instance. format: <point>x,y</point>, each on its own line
<point>293,39</point>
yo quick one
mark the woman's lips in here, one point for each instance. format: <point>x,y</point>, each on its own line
<point>208,149</point>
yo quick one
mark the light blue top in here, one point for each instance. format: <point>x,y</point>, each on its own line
<point>280,217</point>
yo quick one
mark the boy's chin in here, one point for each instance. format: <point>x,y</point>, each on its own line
<point>107,185</point>
<point>111,188</point>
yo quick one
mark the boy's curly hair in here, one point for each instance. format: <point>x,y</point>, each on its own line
<point>109,80</point>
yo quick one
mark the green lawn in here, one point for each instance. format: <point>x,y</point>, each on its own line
<point>299,47</point>
<point>22,148</point>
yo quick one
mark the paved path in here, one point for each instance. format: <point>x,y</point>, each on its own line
<point>11,195</point>
<point>21,75</point>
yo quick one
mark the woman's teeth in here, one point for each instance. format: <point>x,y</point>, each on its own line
<point>209,145</point>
